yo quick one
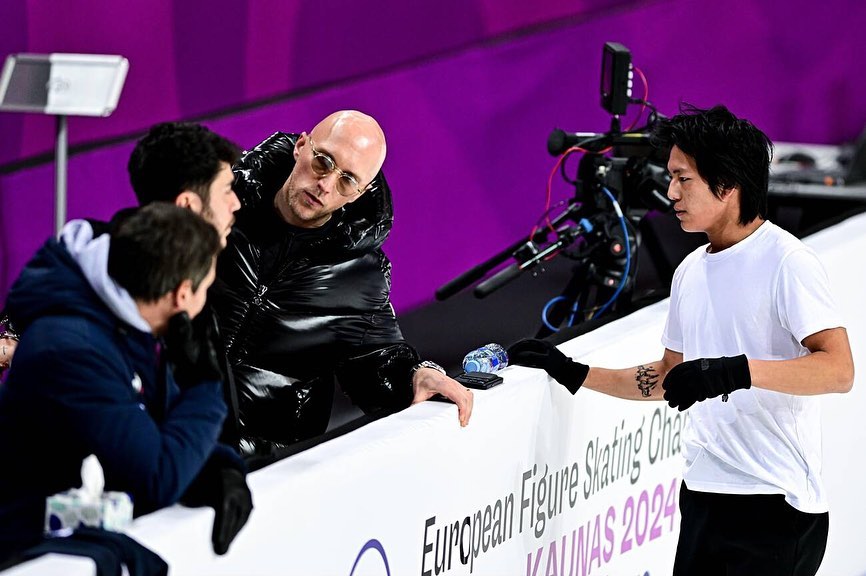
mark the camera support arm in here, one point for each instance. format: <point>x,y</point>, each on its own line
<point>474,274</point>
<point>565,237</point>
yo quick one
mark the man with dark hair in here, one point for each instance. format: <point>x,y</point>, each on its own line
<point>188,165</point>
<point>149,265</point>
<point>183,163</point>
<point>105,367</point>
<point>752,336</point>
<point>303,288</point>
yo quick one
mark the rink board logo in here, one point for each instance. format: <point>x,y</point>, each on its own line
<point>377,550</point>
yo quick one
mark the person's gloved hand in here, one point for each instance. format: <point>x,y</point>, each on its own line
<point>223,488</point>
<point>190,347</point>
<point>697,380</point>
<point>542,354</point>
<point>232,510</point>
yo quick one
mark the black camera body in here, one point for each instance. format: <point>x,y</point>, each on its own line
<point>621,177</point>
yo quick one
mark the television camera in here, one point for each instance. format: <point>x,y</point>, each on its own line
<point>620,178</point>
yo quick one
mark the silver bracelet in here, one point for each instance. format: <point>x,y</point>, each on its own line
<point>425,364</point>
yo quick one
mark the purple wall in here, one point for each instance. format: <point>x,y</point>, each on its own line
<point>195,57</point>
<point>467,129</point>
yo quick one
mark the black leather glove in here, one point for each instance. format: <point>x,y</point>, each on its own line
<point>232,511</point>
<point>223,488</point>
<point>697,380</point>
<point>190,346</point>
<point>542,354</point>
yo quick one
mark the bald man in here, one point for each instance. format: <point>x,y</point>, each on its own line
<point>303,288</point>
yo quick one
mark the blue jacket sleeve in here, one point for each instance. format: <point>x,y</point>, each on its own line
<point>88,390</point>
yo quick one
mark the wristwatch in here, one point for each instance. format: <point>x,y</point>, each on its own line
<point>425,364</point>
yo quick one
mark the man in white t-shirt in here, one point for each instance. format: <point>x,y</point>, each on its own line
<point>752,337</point>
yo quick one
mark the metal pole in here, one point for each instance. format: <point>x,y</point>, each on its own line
<point>60,175</point>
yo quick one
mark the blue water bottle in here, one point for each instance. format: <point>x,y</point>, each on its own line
<point>488,358</point>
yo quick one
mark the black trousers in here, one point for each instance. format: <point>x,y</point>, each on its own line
<point>744,535</point>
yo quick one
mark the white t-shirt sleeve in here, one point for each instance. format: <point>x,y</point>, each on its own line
<point>803,299</point>
<point>672,337</point>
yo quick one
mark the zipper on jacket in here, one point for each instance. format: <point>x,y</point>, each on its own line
<point>257,300</point>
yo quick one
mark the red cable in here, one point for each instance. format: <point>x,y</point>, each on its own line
<point>556,166</point>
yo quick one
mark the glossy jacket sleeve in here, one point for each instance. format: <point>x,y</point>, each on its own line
<point>378,378</point>
<point>264,169</point>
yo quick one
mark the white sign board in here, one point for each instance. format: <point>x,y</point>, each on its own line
<point>62,84</point>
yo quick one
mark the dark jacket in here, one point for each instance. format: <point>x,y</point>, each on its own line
<point>85,381</point>
<point>297,306</point>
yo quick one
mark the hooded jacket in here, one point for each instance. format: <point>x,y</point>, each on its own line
<point>298,306</point>
<point>89,378</point>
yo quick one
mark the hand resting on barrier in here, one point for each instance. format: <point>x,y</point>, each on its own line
<point>222,485</point>
<point>428,382</point>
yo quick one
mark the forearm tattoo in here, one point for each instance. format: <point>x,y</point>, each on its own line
<point>646,377</point>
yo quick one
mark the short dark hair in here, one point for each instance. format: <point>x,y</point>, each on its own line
<point>728,152</point>
<point>177,156</point>
<point>157,247</point>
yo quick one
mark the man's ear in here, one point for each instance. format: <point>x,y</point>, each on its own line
<point>727,193</point>
<point>299,143</point>
<point>181,295</point>
<point>190,200</point>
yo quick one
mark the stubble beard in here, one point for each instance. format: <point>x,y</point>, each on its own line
<point>294,199</point>
<point>208,215</point>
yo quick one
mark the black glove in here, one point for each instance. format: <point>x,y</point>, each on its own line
<point>232,511</point>
<point>223,488</point>
<point>190,347</point>
<point>542,354</point>
<point>697,380</point>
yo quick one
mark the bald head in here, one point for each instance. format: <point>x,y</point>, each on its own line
<point>357,135</point>
<point>347,146</point>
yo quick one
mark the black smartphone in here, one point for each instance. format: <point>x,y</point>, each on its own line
<point>479,380</point>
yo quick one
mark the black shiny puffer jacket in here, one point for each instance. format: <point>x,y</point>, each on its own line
<point>297,307</point>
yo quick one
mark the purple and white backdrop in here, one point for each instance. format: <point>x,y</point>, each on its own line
<point>466,90</point>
